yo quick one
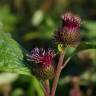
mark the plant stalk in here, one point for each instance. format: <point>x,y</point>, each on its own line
<point>47,88</point>
<point>57,75</point>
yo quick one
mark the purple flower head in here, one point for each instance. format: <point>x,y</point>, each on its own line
<point>41,56</point>
<point>68,33</point>
<point>71,22</point>
<point>43,68</point>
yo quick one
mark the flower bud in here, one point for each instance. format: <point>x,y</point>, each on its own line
<point>42,63</point>
<point>68,33</point>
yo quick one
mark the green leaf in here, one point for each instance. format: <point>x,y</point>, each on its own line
<point>84,46</point>
<point>12,56</point>
<point>71,51</point>
<point>7,19</point>
<point>91,27</point>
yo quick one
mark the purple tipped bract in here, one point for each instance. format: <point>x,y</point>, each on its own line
<point>41,56</point>
<point>71,22</point>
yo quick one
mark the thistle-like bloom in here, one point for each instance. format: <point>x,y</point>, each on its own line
<point>68,33</point>
<point>43,63</point>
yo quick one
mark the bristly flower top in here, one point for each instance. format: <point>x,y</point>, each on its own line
<point>43,67</point>
<point>68,33</point>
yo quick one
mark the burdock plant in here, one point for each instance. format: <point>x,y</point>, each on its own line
<point>42,61</point>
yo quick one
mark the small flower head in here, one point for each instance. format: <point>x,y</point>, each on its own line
<point>44,68</point>
<point>68,33</point>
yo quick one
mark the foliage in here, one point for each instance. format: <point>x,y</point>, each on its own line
<point>7,19</point>
<point>32,23</point>
<point>12,59</point>
<point>11,55</point>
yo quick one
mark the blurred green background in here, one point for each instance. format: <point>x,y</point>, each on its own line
<point>32,23</point>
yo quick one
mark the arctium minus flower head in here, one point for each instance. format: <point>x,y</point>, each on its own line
<point>68,33</point>
<point>42,63</point>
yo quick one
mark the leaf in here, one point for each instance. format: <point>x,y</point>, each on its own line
<point>7,19</point>
<point>71,52</point>
<point>91,27</point>
<point>12,56</point>
<point>84,46</point>
<point>37,86</point>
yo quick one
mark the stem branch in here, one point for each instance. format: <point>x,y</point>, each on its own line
<point>66,62</point>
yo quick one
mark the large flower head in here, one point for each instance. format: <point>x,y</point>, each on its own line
<point>68,33</point>
<point>43,68</point>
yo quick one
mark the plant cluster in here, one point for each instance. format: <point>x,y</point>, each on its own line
<point>43,61</point>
